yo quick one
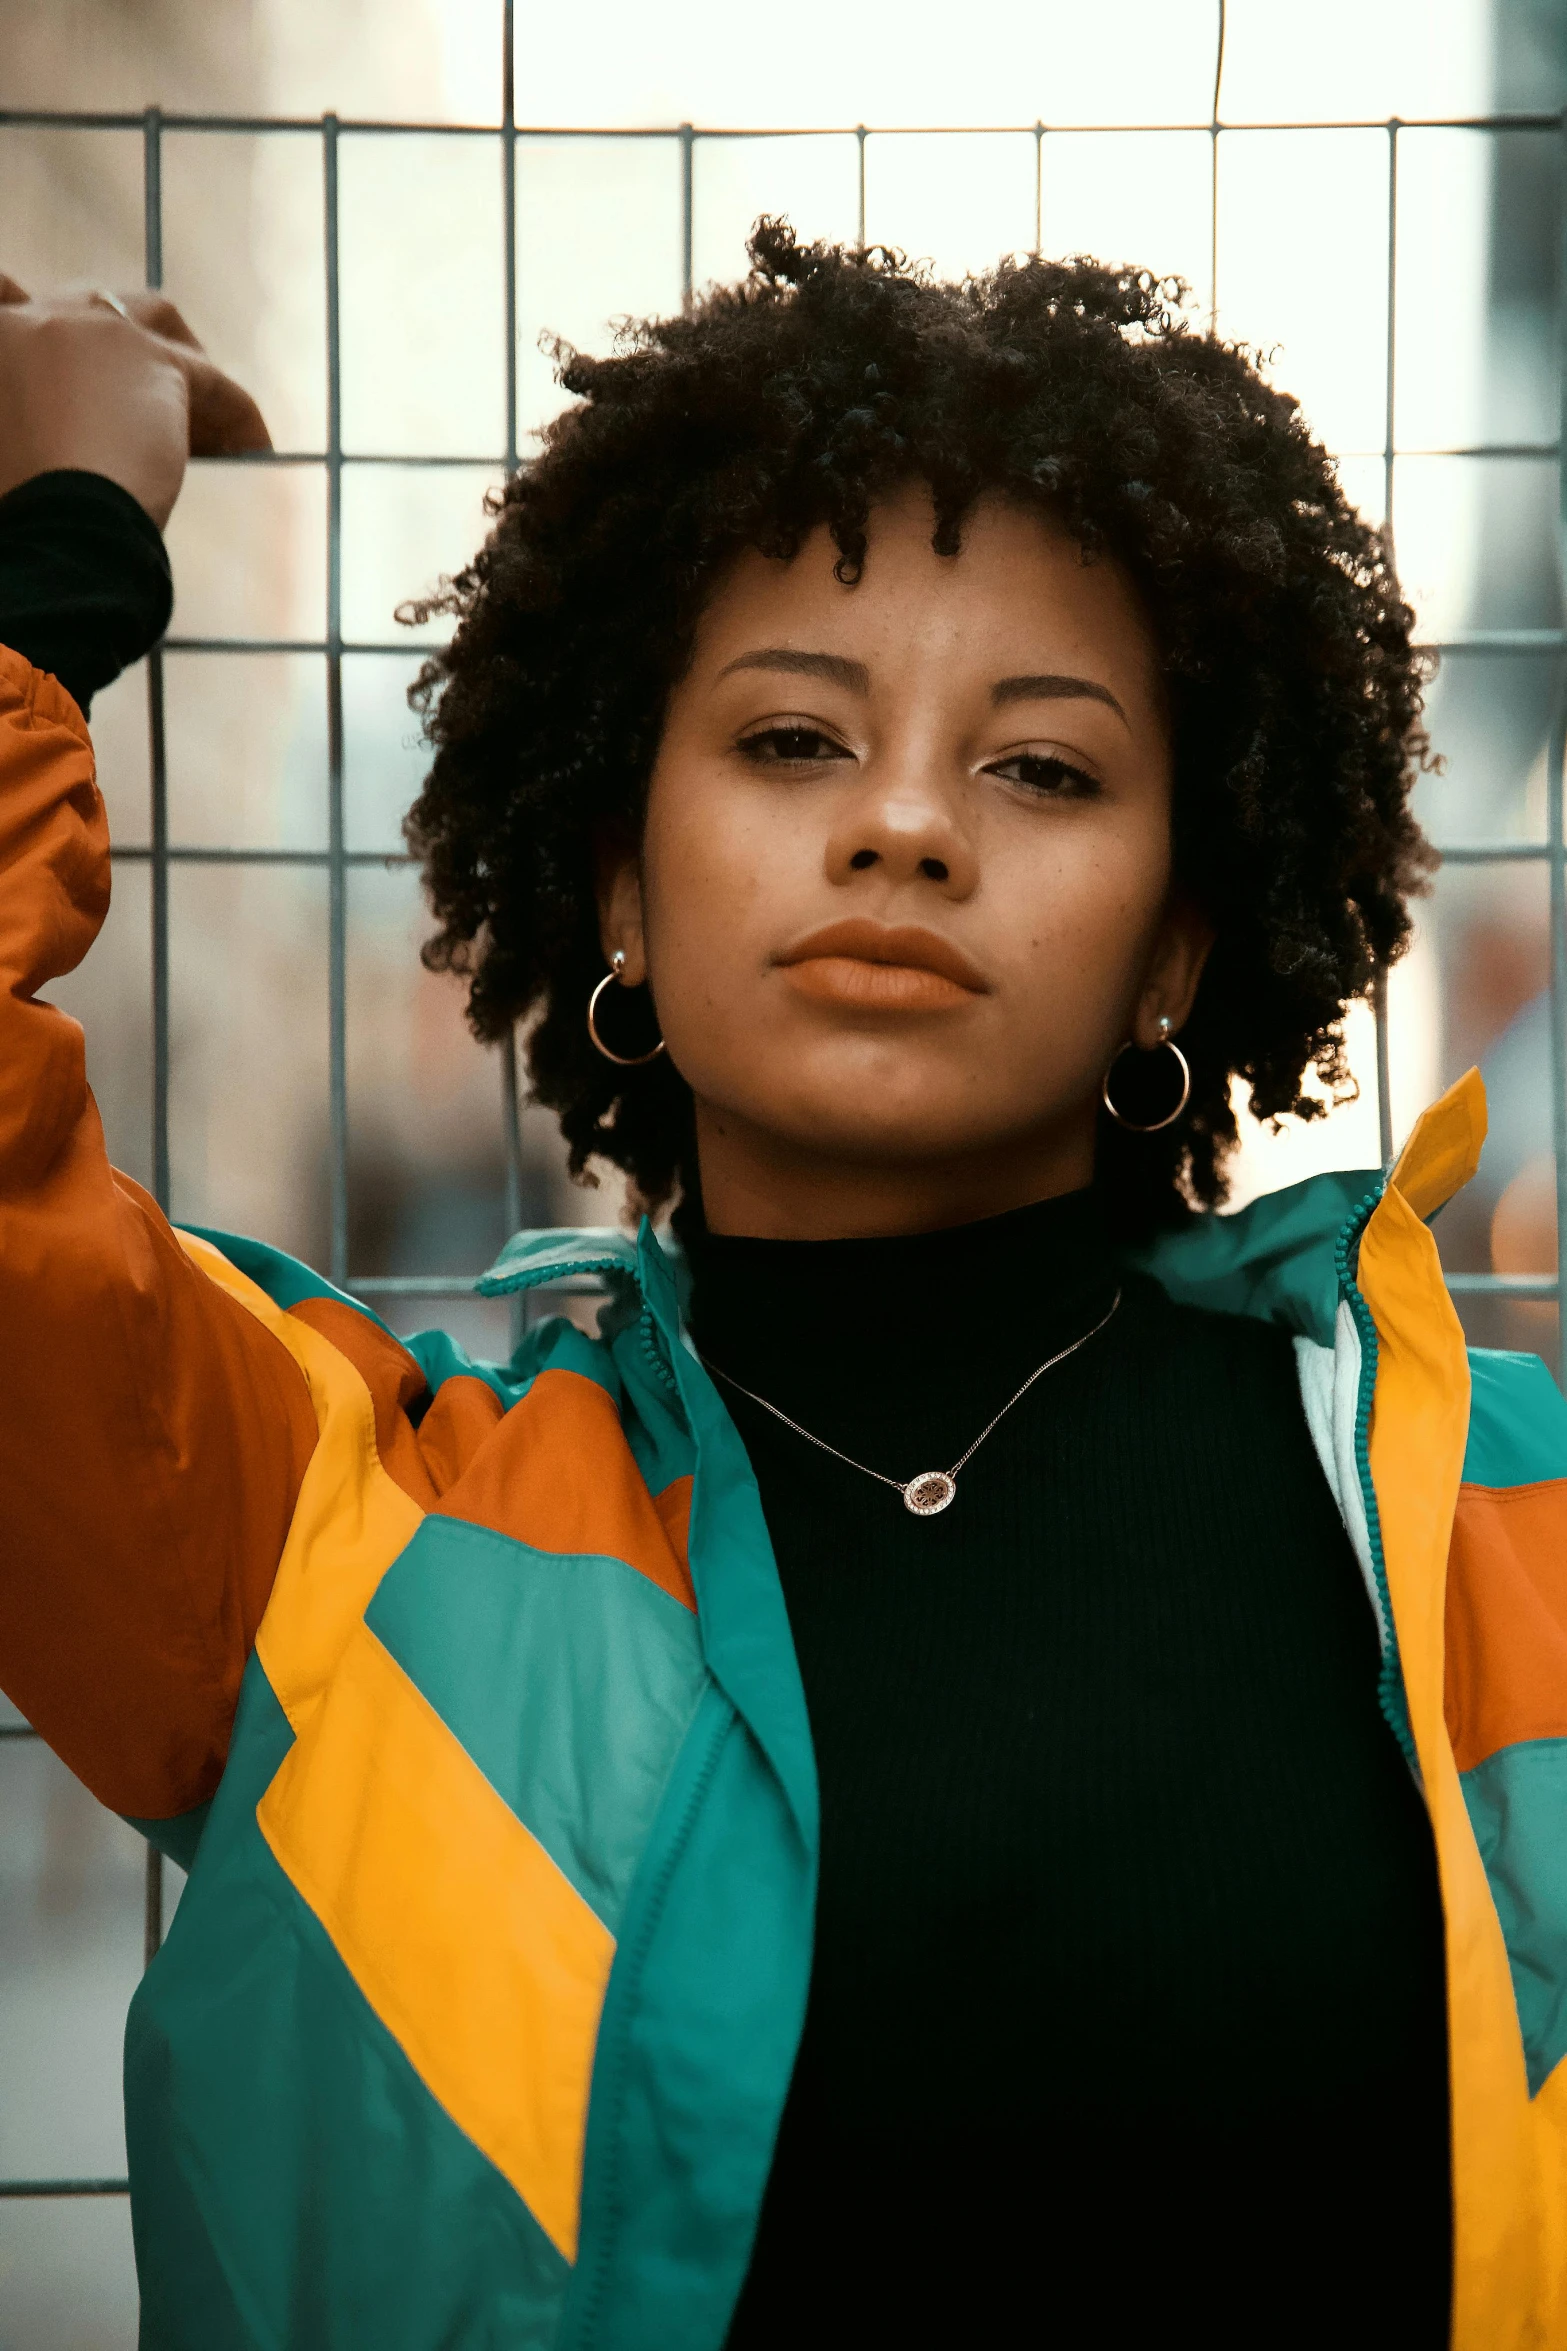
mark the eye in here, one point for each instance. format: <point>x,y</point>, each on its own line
<point>791,742</point>
<point>1047,775</point>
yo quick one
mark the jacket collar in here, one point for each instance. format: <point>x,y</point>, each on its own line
<point>1273,1259</point>
<point>1443,1150</point>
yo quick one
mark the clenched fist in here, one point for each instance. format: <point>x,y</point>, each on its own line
<point>125,392</point>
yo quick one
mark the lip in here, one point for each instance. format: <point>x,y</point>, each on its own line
<point>882,967</point>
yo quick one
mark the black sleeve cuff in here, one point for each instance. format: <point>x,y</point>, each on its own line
<point>85,586</point>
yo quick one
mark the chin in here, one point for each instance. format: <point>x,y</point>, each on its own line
<point>902,1128</point>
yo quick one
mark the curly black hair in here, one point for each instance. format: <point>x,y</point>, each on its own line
<point>827,380</point>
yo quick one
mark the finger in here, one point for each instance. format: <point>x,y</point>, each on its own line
<point>159,316</point>
<point>224,420</point>
<point>10,291</point>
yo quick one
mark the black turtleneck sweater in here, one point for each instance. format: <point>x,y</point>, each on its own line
<point>1127,2017</point>
<point>84,580</point>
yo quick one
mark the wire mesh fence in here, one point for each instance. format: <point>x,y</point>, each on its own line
<point>337,859</point>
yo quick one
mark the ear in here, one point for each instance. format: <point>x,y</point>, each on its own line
<point>617,885</point>
<point>1174,969</point>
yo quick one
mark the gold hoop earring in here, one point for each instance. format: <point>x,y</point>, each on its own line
<point>623,1060</point>
<point>1152,1126</point>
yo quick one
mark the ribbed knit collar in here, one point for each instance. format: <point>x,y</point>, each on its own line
<point>867,1341</point>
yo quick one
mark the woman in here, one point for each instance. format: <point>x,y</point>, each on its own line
<point>911,1788</point>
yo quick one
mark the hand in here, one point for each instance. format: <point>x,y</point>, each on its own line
<point>131,397</point>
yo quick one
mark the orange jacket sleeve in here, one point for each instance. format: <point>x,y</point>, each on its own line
<point>152,1434</point>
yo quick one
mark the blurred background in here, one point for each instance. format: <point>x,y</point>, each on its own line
<point>1405,283</point>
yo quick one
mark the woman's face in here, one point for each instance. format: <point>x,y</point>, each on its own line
<point>905,883</point>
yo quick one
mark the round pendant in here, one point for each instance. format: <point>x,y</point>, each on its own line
<point>931,1491</point>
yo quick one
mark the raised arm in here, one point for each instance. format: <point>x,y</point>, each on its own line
<point>152,1434</point>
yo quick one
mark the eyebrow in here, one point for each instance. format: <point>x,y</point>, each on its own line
<point>838,670</point>
<point>1052,687</point>
<point>835,667</point>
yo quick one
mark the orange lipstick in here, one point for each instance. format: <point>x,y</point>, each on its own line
<point>882,967</point>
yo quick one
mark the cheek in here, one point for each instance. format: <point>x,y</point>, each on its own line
<point>1087,914</point>
<point>705,869</point>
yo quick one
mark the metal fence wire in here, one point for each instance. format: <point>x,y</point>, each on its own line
<point>162,855</point>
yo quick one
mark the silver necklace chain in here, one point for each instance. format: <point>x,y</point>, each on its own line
<point>930,1490</point>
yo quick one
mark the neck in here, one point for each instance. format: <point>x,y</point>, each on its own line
<point>773,1188</point>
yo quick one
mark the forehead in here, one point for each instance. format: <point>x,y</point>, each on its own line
<point>1017,595</point>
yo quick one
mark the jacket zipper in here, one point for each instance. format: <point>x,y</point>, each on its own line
<point>544,1277</point>
<point>1390,1681</point>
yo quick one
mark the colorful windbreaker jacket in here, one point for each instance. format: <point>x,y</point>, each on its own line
<point>466,1695</point>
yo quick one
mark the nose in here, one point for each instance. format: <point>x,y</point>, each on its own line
<point>908,828</point>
